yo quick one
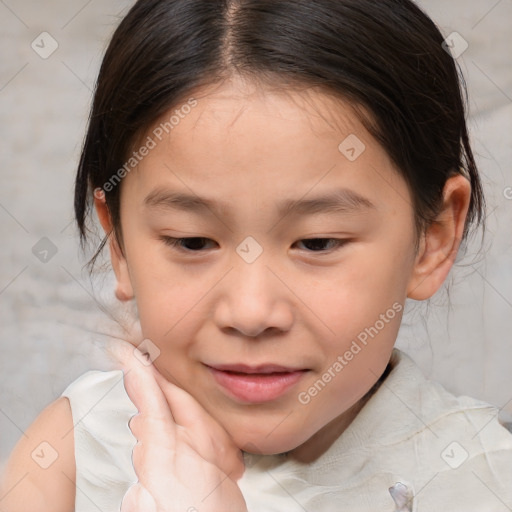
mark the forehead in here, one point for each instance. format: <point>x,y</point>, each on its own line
<point>307,108</point>
<point>241,107</point>
<point>235,138</point>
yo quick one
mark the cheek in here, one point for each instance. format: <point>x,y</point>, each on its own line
<point>363,332</point>
<point>166,298</point>
<point>166,307</point>
<point>363,308</point>
<point>363,288</point>
<point>352,365</point>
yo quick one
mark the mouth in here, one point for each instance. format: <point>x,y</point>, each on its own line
<point>256,384</point>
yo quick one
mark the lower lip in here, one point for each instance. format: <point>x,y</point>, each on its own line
<point>257,387</point>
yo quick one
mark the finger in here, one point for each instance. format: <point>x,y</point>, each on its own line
<point>146,385</point>
<point>139,380</point>
<point>185,409</point>
<point>138,499</point>
<point>153,426</point>
<point>207,435</point>
<point>144,391</point>
<point>163,405</point>
<point>149,463</point>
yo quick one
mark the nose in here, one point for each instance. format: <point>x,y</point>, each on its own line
<point>254,301</point>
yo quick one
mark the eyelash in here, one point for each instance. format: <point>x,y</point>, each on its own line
<point>176,243</point>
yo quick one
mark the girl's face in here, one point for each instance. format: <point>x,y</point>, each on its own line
<point>250,177</point>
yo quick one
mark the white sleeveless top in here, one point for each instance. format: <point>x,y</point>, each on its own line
<point>437,452</point>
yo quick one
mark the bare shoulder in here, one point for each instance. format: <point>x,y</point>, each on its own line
<point>40,473</point>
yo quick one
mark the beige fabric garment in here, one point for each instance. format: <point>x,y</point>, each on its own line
<point>450,452</point>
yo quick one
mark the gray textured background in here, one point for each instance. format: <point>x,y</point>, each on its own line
<point>49,314</point>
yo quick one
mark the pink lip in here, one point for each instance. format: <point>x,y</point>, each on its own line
<point>262,368</point>
<point>256,384</point>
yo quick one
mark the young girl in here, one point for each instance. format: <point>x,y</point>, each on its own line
<point>275,179</point>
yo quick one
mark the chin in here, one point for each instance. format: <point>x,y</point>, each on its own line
<point>263,444</point>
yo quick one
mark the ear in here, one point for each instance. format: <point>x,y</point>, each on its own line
<point>440,244</point>
<point>124,289</point>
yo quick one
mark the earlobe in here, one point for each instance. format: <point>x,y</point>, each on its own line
<point>440,243</point>
<point>124,289</point>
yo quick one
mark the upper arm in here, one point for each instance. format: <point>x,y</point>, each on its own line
<point>40,473</point>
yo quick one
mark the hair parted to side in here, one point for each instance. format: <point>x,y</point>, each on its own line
<point>385,56</point>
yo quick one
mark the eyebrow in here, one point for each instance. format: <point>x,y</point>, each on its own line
<point>337,201</point>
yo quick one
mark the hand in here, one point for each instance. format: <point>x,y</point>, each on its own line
<point>184,460</point>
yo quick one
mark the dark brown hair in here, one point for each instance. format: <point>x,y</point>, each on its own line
<point>385,56</point>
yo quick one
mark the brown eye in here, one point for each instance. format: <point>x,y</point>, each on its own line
<point>319,244</point>
<point>192,244</point>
